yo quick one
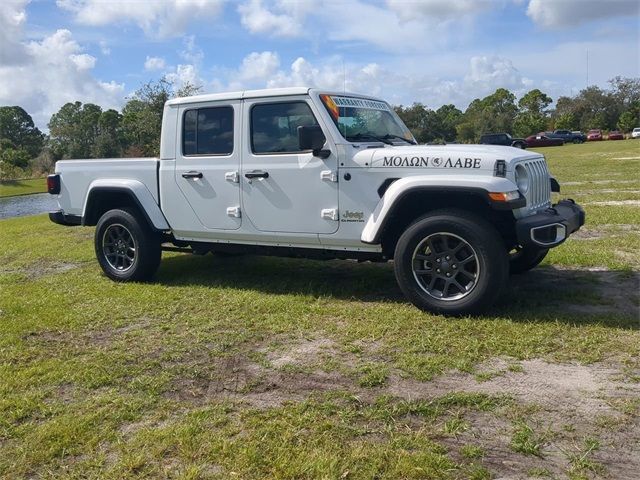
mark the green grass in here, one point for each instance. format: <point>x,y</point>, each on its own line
<point>211,371</point>
<point>9,188</point>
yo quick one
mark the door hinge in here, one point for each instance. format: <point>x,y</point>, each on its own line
<point>233,212</point>
<point>233,177</point>
<point>329,175</point>
<point>329,214</point>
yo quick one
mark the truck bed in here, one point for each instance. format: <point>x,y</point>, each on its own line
<point>78,175</point>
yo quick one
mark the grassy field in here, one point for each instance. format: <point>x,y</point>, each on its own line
<point>254,367</point>
<point>9,188</point>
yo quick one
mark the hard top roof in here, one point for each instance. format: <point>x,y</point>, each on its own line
<point>267,92</point>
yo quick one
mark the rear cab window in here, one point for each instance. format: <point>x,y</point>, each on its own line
<point>208,131</point>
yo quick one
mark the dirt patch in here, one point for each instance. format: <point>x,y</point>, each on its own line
<point>593,291</point>
<point>560,402</point>
<point>616,203</point>
<point>568,388</point>
<point>565,402</point>
<point>42,269</point>
<point>308,352</point>
<point>612,190</point>
<point>236,378</point>
<point>587,234</point>
<point>599,182</point>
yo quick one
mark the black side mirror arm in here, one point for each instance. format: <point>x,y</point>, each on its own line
<point>321,153</point>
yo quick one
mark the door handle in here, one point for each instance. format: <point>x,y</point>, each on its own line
<point>256,174</point>
<point>192,174</point>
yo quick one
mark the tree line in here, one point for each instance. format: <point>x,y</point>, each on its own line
<point>80,130</point>
<point>617,107</point>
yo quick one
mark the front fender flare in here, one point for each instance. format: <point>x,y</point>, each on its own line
<point>398,189</point>
<point>137,191</point>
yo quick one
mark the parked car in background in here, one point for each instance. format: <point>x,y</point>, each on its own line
<point>615,135</point>
<point>567,135</point>
<point>579,134</point>
<point>594,135</point>
<point>502,139</point>
<point>543,141</point>
<point>635,133</point>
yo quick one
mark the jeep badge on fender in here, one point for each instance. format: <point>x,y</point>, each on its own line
<point>302,172</point>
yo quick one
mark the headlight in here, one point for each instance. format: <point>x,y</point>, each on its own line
<point>522,179</point>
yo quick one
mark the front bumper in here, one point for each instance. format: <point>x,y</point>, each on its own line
<point>551,227</point>
<point>61,218</point>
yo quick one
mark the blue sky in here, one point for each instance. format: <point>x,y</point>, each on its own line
<point>431,51</point>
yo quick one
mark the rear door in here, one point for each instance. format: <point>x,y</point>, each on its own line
<point>208,163</point>
<point>285,189</point>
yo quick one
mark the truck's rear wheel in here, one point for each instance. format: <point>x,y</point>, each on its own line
<point>126,248</point>
<point>451,262</point>
<point>524,259</point>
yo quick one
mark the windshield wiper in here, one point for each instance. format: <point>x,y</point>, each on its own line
<point>360,136</point>
<point>391,135</point>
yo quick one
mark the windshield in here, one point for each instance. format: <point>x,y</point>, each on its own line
<point>365,120</point>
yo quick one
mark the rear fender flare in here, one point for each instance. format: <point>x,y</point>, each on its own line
<point>135,190</point>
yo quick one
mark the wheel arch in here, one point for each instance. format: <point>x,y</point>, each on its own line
<point>102,197</point>
<point>404,207</point>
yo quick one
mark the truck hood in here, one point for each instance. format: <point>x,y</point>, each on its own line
<point>446,157</point>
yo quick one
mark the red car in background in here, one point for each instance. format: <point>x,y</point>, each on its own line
<point>615,135</point>
<point>594,135</point>
<point>543,141</point>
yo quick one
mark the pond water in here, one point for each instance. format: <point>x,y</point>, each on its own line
<point>22,205</point>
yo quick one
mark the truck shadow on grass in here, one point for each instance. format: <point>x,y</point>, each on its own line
<point>548,293</point>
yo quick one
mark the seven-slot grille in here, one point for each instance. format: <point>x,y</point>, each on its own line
<point>539,194</point>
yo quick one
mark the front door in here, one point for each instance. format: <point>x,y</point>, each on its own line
<point>208,163</point>
<point>285,189</point>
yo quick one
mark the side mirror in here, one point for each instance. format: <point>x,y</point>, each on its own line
<point>310,137</point>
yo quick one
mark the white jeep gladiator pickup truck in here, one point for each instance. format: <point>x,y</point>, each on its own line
<point>307,173</point>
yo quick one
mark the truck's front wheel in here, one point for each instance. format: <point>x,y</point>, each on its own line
<point>451,262</point>
<point>126,248</point>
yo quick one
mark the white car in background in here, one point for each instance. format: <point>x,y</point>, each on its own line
<point>635,133</point>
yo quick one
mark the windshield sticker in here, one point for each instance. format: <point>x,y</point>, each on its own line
<point>360,102</point>
<point>331,106</point>
<point>334,103</point>
<point>434,162</point>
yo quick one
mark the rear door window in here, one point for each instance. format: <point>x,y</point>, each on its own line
<point>208,131</point>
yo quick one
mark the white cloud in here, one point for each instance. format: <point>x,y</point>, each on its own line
<point>257,18</point>
<point>483,75</point>
<point>256,66</point>
<point>561,13</point>
<point>438,9</point>
<point>104,48</point>
<point>154,63</point>
<point>192,53</point>
<point>83,61</point>
<point>162,18</point>
<point>12,18</point>
<point>358,22</point>
<point>183,75</point>
<point>489,72</point>
<point>52,72</point>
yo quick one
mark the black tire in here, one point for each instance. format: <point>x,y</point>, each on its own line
<point>577,140</point>
<point>520,145</point>
<point>525,259</point>
<point>117,232</point>
<point>485,275</point>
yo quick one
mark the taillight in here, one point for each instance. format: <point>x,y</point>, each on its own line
<point>53,184</point>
